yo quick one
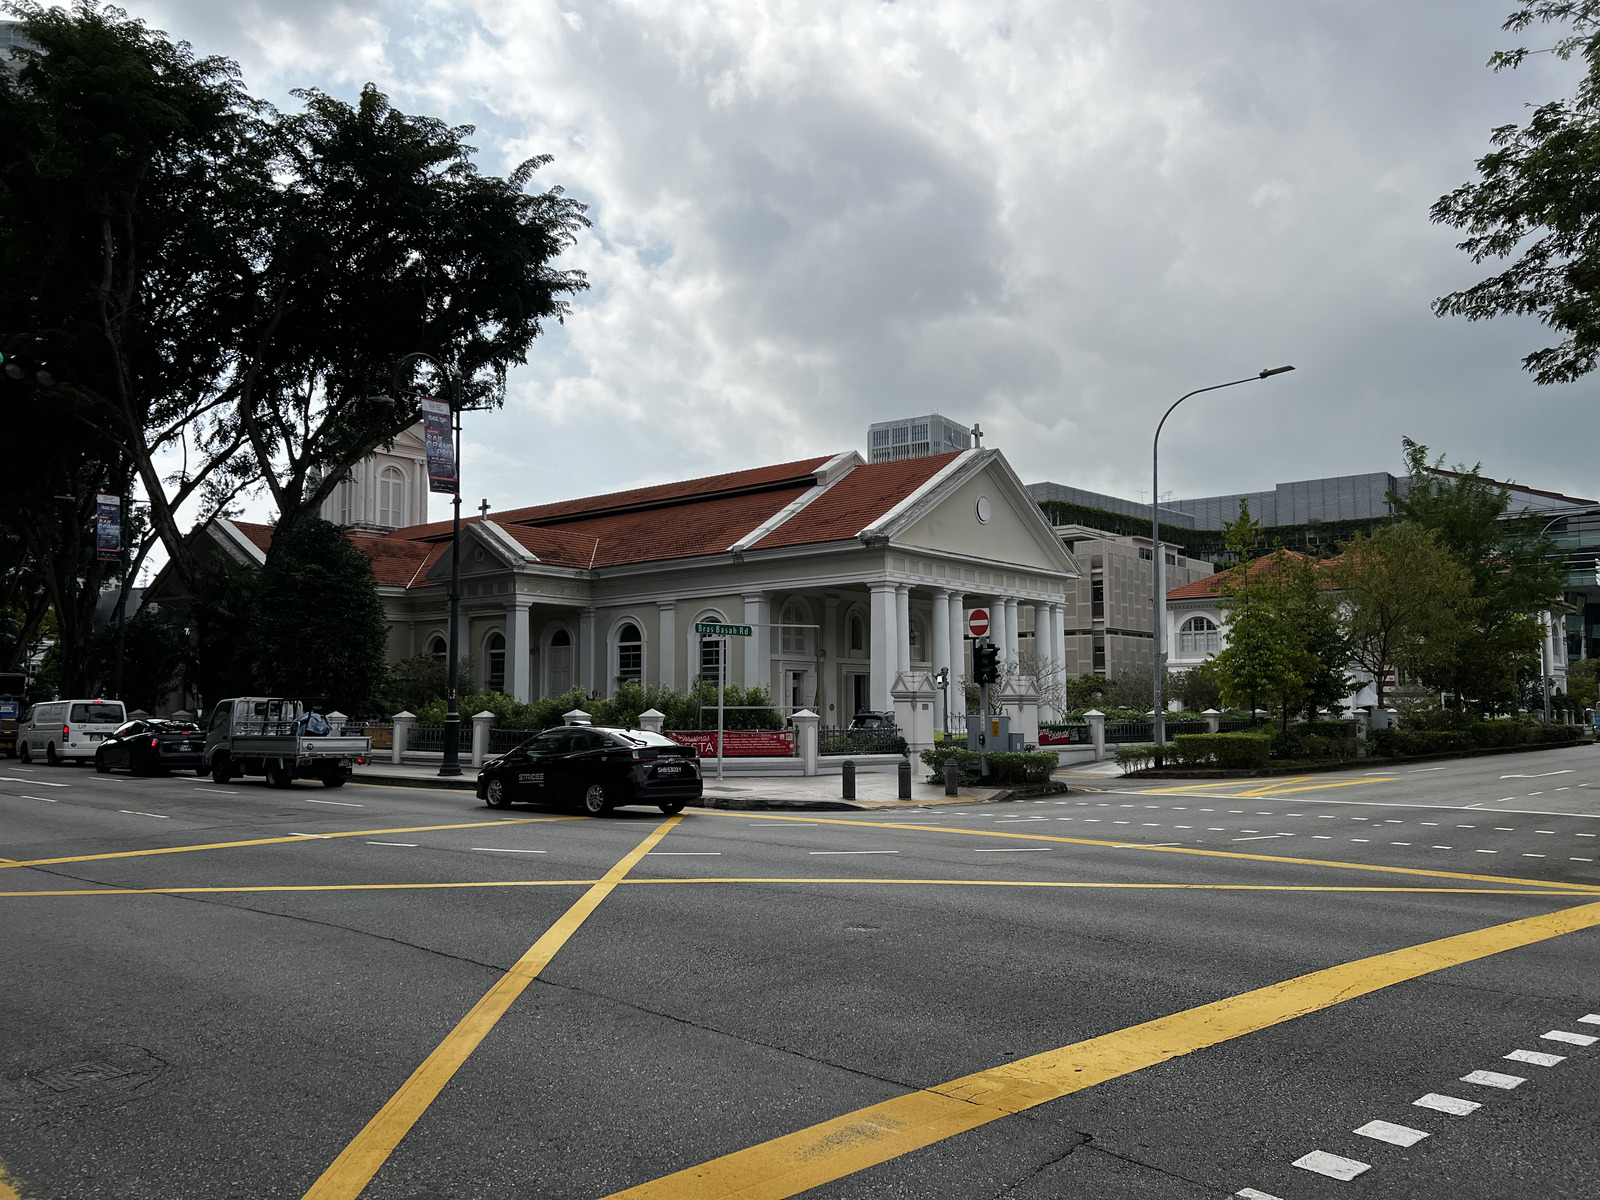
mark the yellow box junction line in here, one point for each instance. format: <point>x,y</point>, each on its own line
<point>272,841</point>
<point>1034,836</point>
<point>360,1160</point>
<point>876,1134</point>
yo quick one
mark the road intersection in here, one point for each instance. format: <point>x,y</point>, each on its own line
<point>1202,988</point>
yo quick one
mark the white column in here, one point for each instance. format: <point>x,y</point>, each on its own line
<point>940,655</point>
<point>828,677</point>
<point>757,658</point>
<point>519,658</point>
<point>883,642</point>
<point>585,649</point>
<point>997,624</point>
<point>1044,646</point>
<point>902,628</point>
<point>1011,642</point>
<point>1060,624</point>
<point>667,644</point>
<point>958,644</point>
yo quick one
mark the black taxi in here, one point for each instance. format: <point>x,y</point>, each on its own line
<point>595,767</point>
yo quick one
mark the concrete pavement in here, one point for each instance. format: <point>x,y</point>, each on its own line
<point>708,985</point>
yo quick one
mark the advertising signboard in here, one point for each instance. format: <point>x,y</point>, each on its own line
<point>441,449</point>
<point>108,528</point>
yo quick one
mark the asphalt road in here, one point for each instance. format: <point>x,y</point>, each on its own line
<point>1150,990</point>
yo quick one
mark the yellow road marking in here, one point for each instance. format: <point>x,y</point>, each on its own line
<point>273,841</point>
<point>869,1136</point>
<point>1278,789</point>
<point>10,1188</point>
<point>1019,883</point>
<point>360,1160</point>
<point>1035,836</point>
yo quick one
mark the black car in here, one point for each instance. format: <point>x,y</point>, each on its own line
<point>595,768</point>
<point>150,745</point>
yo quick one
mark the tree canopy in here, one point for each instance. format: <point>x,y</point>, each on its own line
<point>1537,203</point>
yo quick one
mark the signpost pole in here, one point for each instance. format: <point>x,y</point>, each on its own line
<point>722,680</point>
<point>983,731</point>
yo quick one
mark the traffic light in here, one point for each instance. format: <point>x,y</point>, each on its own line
<point>986,664</point>
<point>16,372</point>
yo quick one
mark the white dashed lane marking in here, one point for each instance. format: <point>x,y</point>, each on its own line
<point>1334,1166</point>
<point>1537,1057</point>
<point>1252,1194</point>
<point>1494,1079</point>
<point>406,845</point>
<point>502,850</point>
<point>1395,1135</point>
<point>134,813</point>
<point>1447,1104</point>
<point>1571,1039</point>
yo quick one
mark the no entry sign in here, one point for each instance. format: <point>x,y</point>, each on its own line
<point>978,622</point>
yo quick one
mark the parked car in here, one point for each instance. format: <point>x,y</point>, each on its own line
<point>66,730</point>
<point>148,746</point>
<point>867,719</point>
<point>596,768</point>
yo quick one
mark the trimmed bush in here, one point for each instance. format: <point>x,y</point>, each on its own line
<point>1135,758</point>
<point>1541,735</point>
<point>935,758</point>
<point>1507,732</point>
<point>1393,743</point>
<point>1006,766</point>
<point>1234,751</point>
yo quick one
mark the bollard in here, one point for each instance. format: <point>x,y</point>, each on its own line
<point>849,775</point>
<point>905,779</point>
<point>952,777</point>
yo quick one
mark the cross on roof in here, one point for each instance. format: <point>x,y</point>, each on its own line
<point>483,510</point>
<point>977,435</point>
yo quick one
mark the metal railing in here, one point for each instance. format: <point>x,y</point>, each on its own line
<point>837,740</point>
<point>1129,733</point>
<point>502,740</point>
<point>430,737</point>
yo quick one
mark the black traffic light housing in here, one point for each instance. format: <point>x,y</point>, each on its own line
<point>986,664</point>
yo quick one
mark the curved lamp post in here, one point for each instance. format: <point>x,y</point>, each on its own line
<point>1158,727</point>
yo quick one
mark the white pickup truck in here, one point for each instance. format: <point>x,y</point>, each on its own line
<point>266,735</point>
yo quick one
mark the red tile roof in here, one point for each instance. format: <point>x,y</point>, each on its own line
<point>1211,585</point>
<point>259,535</point>
<point>856,501</point>
<point>398,563</point>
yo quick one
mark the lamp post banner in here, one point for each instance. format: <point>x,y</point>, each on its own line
<point>441,449</point>
<point>108,527</point>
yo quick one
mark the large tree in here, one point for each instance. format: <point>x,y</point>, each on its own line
<point>1407,600</point>
<point>1516,572</point>
<point>221,286</point>
<point>1537,203</point>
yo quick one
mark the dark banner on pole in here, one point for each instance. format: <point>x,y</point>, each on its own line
<point>441,449</point>
<point>108,527</point>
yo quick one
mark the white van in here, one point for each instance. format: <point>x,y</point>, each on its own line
<point>63,730</point>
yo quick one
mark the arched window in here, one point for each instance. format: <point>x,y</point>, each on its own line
<point>792,635</point>
<point>1198,635</point>
<point>858,634</point>
<point>438,648</point>
<point>919,641</point>
<point>391,497</point>
<point>630,654</point>
<point>495,675</point>
<point>560,665</point>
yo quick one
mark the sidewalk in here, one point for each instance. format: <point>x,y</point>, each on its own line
<point>874,789</point>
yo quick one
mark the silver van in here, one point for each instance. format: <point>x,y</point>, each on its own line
<point>61,731</point>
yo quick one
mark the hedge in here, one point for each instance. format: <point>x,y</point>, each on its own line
<point>1234,751</point>
<point>1006,766</point>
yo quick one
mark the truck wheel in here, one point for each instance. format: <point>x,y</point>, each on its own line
<point>278,775</point>
<point>221,769</point>
<point>594,801</point>
<point>24,753</point>
<point>333,781</point>
<point>50,756</point>
<point>496,795</point>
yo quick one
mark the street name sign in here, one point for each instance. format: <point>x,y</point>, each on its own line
<point>978,622</point>
<point>712,629</point>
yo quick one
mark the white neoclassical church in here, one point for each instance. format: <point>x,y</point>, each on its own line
<point>856,578</point>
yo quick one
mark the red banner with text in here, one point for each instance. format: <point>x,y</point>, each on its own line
<point>739,743</point>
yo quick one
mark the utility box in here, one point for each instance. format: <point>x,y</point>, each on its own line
<point>992,738</point>
<point>1017,742</point>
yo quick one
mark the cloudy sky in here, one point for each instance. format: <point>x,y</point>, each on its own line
<point>1051,218</point>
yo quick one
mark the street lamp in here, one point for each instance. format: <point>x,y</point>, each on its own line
<point>452,718</point>
<point>1158,727</point>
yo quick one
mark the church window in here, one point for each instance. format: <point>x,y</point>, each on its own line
<point>391,497</point>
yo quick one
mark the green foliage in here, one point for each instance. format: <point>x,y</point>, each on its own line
<point>1581,683</point>
<point>1393,743</point>
<point>412,683</point>
<point>1085,692</point>
<point>1515,571</point>
<point>1536,203</point>
<point>1233,751</point>
<point>966,761</point>
<point>1015,767</point>
<point>1200,687</point>
<point>319,628</point>
<point>1135,758</point>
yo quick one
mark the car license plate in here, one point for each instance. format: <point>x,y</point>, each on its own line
<point>186,746</point>
<point>668,770</point>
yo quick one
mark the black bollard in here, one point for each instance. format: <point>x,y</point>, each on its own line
<point>952,777</point>
<point>849,774</point>
<point>905,779</point>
